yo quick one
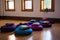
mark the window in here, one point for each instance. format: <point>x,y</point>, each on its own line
<point>27,5</point>
<point>47,4</point>
<point>9,5</point>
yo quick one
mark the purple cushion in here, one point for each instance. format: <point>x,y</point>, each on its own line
<point>36,27</point>
<point>9,28</point>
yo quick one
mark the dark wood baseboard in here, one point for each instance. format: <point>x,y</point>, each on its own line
<point>53,20</point>
<point>18,18</point>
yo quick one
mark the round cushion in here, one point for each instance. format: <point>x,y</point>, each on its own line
<point>46,25</point>
<point>46,22</point>
<point>9,24</point>
<point>36,23</point>
<point>23,27</point>
<point>8,28</point>
<point>36,26</point>
<point>23,30</point>
<point>31,22</point>
<point>21,24</point>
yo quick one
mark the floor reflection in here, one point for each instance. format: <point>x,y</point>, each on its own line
<point>47,35</point>
<point>11,37</point>
<point>30,38</point>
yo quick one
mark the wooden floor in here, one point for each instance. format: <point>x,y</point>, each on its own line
<point>52,33</point>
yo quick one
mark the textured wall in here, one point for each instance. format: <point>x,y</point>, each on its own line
<point>36,10</point>
<point>1,8</point>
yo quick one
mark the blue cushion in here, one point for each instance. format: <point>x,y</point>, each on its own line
<point>23,31</point>
<point>45,23</point>
<point>31,22</point>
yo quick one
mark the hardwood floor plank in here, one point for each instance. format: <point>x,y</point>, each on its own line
<point>52,33</point>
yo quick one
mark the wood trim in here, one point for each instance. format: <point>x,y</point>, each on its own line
<point>18,18</point>
<point>28,10</point>
<point>8,6</point>
<point>52,5</point>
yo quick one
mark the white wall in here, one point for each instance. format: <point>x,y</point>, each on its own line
<point>0,5</point>
<point>36,10</point>
<point>1,8</point>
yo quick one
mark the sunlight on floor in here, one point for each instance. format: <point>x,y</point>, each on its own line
<point>47,35</point>
<point>12,37</point>
<point>31,38</point>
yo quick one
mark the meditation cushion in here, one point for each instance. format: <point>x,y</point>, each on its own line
<point>42,21</point>
<point>45,23</point>
<point>21,24</point>
<point>23,30</point>
<point>8,27</point>
<point>36,26</point>
<point>31,22</point>
<point>9,24</point>
<point>23,27</point>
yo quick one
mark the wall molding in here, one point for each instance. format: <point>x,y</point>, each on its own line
<point>53,20</point>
